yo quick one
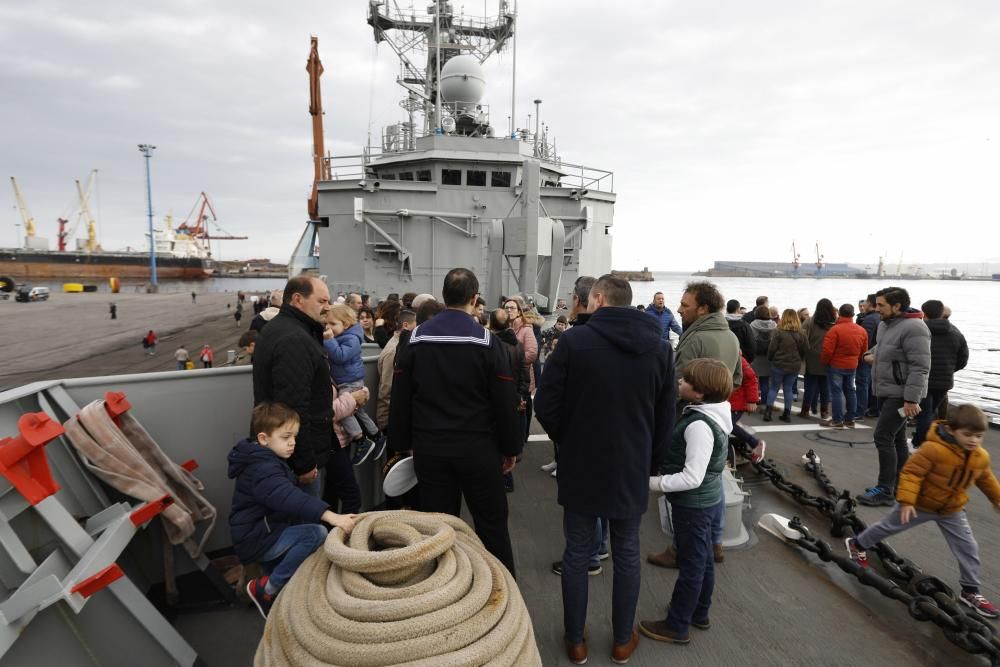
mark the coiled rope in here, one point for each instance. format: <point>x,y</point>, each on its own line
<point>406,588</point>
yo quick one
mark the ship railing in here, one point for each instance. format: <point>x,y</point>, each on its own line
<point>582,177</point>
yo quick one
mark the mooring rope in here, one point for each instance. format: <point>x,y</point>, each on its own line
<point>406,588</point>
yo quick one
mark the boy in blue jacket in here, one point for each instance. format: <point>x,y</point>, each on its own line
<point>274,522</point>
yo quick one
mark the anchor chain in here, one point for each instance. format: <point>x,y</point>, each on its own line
<point>926,598</point>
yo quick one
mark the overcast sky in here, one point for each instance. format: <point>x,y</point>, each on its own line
<point>733,128</point>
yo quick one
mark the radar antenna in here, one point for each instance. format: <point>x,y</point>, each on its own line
<point>436,37</point>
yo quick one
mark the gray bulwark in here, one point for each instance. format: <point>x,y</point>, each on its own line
<point>400,221</point>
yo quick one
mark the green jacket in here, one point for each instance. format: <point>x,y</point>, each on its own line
<point>708,494</point>
<point>709,336</point>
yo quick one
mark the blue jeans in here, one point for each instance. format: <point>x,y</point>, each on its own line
<point>841,386</point>
<point>580,533</point>
<point>817,392</point>
<point>741,433</point>
<point>929,405</point>
<point>786,383</point>
<point>765,385</point>
<point>601,540</point>
<point>718,521</point>
<point>692,595</point>
<point>294,545</point>
<point>862,380</point>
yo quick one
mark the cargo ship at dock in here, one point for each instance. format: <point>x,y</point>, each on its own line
<point>25,264</point>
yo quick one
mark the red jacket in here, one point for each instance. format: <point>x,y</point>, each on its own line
<point>844,344</point>
<point>747,392</point>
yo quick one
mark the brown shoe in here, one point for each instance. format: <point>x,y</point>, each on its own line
<point>804,412</point>
<point>824,411</point>
<point>622,652</point>
<point>717,553</point>
<point>666,558</point>
<point>659,631</point>
<point>577,653</point>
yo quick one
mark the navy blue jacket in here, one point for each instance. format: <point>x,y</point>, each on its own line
<point>667,321</point>
<point>869,321</point>
<point>345,355</point>
<point>266,500</point>
<point>607,396</point>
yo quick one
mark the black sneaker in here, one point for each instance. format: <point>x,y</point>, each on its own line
<point>592,570</point>
<point>363,448</point>
<point>258,594</point>
<point>876,497</point>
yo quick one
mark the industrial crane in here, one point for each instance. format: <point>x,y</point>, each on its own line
<point>91,245</point>
<point>321,169</point>
<point>29,220</point>
<point>198,227</point>
<point>819,259</point>
<point>795,258</point>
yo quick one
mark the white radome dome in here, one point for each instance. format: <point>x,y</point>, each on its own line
<point>462,80</point>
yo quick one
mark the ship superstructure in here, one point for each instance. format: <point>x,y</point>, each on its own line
<point>446,187</point>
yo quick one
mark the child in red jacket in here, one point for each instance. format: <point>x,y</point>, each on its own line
<point>744,399</point>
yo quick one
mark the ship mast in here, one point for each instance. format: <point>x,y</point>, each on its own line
<point>437,37</point>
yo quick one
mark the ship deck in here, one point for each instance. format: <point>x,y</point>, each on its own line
<point>773,604</point>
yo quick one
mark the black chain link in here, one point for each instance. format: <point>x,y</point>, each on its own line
<point>926,598</point>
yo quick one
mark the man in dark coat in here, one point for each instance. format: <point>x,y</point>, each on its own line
<point>741,329</point>
<point>607,397</point>
<point>949,354</point>
<point>868,318</point>
<point>454,405</point>
<point>290,367</point>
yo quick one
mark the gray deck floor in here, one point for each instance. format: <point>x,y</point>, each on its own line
<point>774,604</point>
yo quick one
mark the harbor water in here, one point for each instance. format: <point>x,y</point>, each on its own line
<point>973,305</point>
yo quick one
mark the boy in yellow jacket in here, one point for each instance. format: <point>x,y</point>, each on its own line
<point>932,487</point>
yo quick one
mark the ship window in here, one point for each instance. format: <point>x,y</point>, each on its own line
<point>424,175</point>
<point>475,177</point>
<point>500,179</point>
<point>451,176</point>
<point>406,175</point>
<point>388,177</point>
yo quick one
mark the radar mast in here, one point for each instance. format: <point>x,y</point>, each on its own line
<point>425,41</point>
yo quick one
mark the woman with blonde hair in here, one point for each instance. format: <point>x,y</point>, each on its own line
<point>786,351</point>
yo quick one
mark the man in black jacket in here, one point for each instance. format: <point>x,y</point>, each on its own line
<point>741,329</point>
<point>454,405</point>
<point>290,367</point>
<point>949,354</point>
<point>607,397</point>
<point>868,318</point>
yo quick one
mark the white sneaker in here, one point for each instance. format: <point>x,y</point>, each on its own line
<point>550,466</point>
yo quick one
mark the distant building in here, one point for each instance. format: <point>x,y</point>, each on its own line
<point>781,270</point>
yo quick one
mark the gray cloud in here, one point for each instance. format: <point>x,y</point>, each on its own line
<point>732,127</point>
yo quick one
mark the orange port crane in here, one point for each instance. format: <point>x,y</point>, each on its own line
<point>198,227</point>
<point>321,169</point>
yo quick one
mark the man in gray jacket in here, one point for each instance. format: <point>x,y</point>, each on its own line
<point>706,332</point>
<point>901,362</point>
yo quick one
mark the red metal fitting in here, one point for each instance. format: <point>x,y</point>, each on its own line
<point>151,509</point>
<point>116,404</point>
<point>190,465</point>
<point>22,458</point>
<point>96,582</point>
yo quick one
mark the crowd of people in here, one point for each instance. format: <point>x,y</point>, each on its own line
<point>629,412</point>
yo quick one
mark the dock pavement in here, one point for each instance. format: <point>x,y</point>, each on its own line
<point>73,335</point>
